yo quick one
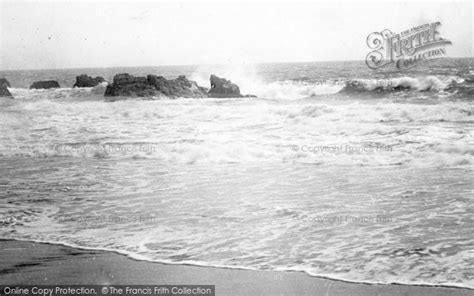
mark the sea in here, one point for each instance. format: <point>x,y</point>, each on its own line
<point>334,169</point>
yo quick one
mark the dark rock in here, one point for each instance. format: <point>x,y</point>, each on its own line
<point>4,84</point>
<point>179,87</point>
<point>152,85</point>
<point>130,86</point>
<point>87,81</point>
<point>223,88</point>
<point>126,85</point>
<point>4,92</point>
<point>45,84</point>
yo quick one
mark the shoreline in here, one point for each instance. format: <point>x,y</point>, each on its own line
<point>25,262</point>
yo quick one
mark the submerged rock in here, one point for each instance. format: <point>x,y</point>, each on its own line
<point>4,85</point>
<point>46,84</point>
<point>88,81</point>
<point>130,86</point>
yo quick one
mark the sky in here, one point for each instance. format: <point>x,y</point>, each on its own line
<point>45,34</point>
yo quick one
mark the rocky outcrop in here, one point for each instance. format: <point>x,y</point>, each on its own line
<point>223,88</point>
<point>46,84</point>
<point>4,85</point>
<point>87,81</point>
<point>179,87</point>
<point>4,82</point>
<point>127,85</point>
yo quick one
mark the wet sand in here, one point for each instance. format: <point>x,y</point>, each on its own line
<point>48,264</point>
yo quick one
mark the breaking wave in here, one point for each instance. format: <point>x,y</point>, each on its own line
<point>236,131</point>
<point>450,84</point>
<point>76,93</point>
<point>306,86</point>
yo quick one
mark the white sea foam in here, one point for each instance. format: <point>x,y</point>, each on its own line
<point>194,217</point>
<point>251,83</point>
<point>230,131</point>
<point>421,83</point>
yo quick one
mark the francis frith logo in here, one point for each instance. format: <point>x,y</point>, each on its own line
<point>406,49</point>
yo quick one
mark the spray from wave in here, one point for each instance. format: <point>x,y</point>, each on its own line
<point>249,80</point>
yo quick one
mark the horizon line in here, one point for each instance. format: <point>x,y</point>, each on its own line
<point>197,65</point>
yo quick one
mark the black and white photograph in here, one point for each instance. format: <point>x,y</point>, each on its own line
<point>220,148</point>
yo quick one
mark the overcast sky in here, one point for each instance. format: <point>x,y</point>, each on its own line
<point>40,35</point>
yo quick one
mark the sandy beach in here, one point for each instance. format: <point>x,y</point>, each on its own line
<point>37,263</point>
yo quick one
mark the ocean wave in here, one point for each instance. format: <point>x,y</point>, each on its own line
<point>310,86</point>
<point>250,82</point>
<point>292,90</point>
<point>425,83</point>
<point>75,93</point>
<point>307,88</point>
<point>237,131</point>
